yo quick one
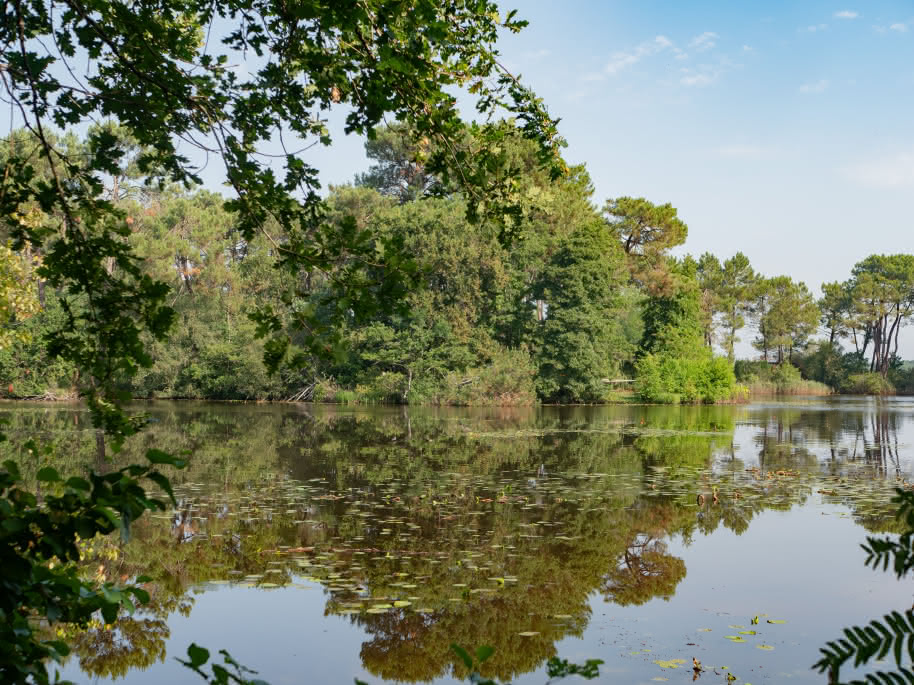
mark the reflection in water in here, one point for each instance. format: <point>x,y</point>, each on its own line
<point>477,527</point>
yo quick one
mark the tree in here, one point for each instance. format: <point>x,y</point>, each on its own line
<point>787,315</point>
<point>835,306</point>
<point>18,295</point>
<point>726,297</point>
<point>737,283</point>
<point>644,228</point>
<point>165,79</point>
<point>673,322</point>
<point>397,170</point>
<point>164,73</point>
<point>710,275</point>
<point>577,345</point>
<point>882,295</point>
<point>647,232</point>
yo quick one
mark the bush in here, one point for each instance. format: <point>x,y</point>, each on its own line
<point>903,378</point>
<point>762,378</point>
<point>671,380</point>
<point>867,384</point>
<point>508,380</point>
<point>828,363</point>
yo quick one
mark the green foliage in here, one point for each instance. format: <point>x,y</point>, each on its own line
<point>38,552</point>
<point>230,672</point>
<point>508,379</point>
<point>827,363</point>
<point>27,369</point>
<point>902,378</point>
<point>867,384</point>
<point>643,228</point>
<point>673,320</point>
<point>577,343</point>
<point>894,634</point>
<point>763,378</point>
<point>665,379</point>
<point>159,82</point>
<point>786,314</point>
<point>727,291</point>
<point>398,171</point>
<point>882,290</point>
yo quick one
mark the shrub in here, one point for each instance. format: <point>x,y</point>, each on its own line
<point>508,380</point>
<point>762,378</point>
<point>867,384</point>
<point>671,380</point>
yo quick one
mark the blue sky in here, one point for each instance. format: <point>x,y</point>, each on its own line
<point>781,129</point>
<point>784,130</point>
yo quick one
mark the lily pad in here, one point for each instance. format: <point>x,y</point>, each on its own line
<point>669,663</point>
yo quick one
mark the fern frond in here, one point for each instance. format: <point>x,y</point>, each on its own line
<point>894,633</point>
<point>903,676</point>
<point>899,552</point>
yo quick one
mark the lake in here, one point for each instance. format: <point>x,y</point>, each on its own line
<point>322,543</point>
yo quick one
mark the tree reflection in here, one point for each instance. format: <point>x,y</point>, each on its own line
<point>496,526</point>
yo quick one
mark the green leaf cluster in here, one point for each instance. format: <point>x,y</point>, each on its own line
<point>893,635</point>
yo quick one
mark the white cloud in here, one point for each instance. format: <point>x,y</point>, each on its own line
<point>703,42</point>
<point>745,151</point>
<point>817,87</point>
<point>706,74</point>
<point>747,48</point>
<point>898,26</point>
<point>697,79</point>
<point>703,75</point>
<point>892,171</point>
<point>622,60</point>
<point>816,27</point>
<point>846,14</point>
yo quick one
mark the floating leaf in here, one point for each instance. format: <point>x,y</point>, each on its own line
<point>529,633</point>
<point>776,620</point>
<point>765,647</point>
<point>670,663</point>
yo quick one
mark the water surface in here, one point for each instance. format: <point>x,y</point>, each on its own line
<point>319,544</point>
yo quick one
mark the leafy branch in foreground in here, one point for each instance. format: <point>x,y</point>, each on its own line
<point>895,632</point>
<point>232,672</point>
<point>39,551</point>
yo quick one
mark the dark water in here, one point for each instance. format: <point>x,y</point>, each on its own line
<point>318,544</point>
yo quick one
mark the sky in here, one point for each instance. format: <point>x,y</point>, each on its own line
<point>784,130</point>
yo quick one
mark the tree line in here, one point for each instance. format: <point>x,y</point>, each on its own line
<point>578,300</point>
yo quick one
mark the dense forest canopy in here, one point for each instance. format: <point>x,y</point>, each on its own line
<point>579,299</point>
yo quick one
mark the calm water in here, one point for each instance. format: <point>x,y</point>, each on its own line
<point>318,544</point>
